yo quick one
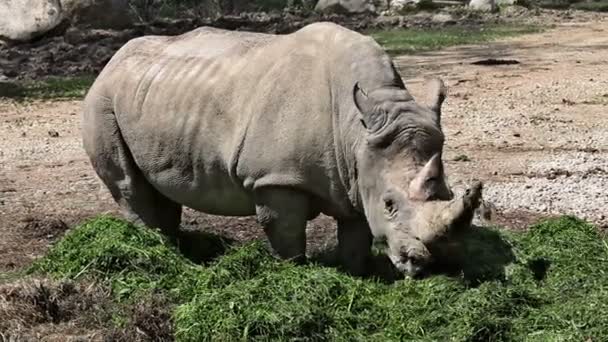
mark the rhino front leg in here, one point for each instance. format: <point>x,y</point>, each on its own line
<point>283,213</point>
<point>354,245</point>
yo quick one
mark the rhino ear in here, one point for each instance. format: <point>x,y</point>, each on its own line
<point>438,92</point>
<point>365,105</point>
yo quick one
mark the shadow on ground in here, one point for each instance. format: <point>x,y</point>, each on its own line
<point>481,255</point>
<point>202,247</point>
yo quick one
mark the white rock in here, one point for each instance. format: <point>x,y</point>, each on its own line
<point>22,20</point>
<point>398,5</point>
<point>483,5</point>
<point>442,18</point>
<point>345,6</point>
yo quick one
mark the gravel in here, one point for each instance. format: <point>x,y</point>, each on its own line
<point>583,193</point>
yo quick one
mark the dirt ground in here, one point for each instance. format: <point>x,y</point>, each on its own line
<point>535,132</point>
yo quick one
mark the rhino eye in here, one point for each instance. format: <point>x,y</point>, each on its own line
<point>390,207</point>
<point>414,260</point>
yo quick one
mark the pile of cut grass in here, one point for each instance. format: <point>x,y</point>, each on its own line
<point>553,287</point>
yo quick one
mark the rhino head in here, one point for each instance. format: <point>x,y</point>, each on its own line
<point>435,225</point>
<point>400,167</point>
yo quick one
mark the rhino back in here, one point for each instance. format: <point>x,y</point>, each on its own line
<point>212,114</point>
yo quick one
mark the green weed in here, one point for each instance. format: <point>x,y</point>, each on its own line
<point>55,88</point>
<point>398,42</point>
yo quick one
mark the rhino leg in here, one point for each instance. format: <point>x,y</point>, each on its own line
<point>113,163</point>
<point>283,213</point>
<point>354,245</point>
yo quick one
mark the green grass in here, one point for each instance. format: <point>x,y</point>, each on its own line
<point>398,42</point>
<point>585,5</point>
<point>54,88</point>
<point>548,284</point>
<point>593,6</point>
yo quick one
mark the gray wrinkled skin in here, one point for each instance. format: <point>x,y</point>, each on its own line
<point>279,126</point>
<point>435,225</point>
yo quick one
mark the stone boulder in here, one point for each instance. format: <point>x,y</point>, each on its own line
<point>397,6</point>
<point>23,20</point>
<point>345,6</point>
<point>483,5</point>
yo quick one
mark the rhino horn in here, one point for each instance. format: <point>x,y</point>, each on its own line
<point>461,211</point>
<point>433,169</point>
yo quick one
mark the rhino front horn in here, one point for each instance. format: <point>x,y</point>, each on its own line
<point>472,196</point>
<point>464,208</point>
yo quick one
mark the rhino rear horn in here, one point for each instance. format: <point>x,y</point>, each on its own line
<point>420,188</point>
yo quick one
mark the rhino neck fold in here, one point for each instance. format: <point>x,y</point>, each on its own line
<point>347,142</point>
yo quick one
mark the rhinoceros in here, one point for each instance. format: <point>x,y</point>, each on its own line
<point>284,127</point>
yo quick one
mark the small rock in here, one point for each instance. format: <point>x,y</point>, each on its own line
<point>462,157</point>
<point>568,102</point>
<point>443,18</point>
<point>345,7</point>
<point>53,133</point>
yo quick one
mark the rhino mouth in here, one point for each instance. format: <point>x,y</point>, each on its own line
<point>410,267</point>
<point>439,231</point>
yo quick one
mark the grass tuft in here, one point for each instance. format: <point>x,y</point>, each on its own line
<point>546,284</point>
<point>54,88</point>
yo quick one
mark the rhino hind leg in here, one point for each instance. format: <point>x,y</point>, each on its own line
<point>283,213</point>
<point>354,246</point>
<point>113,163</point>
